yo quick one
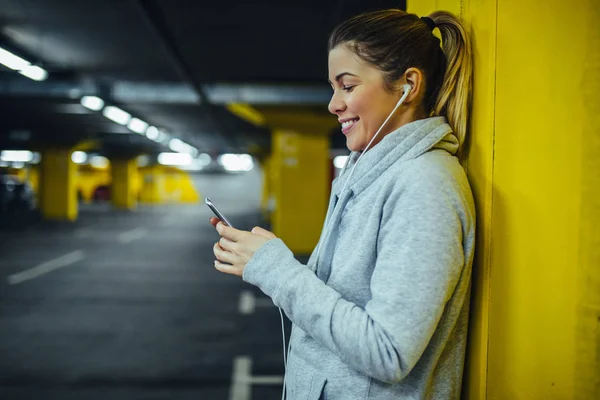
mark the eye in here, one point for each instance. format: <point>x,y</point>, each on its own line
<point>348,88</point>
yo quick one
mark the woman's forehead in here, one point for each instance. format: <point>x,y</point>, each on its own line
<point>342,59</point>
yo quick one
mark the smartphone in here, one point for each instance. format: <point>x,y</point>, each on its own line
<point>218,213</point>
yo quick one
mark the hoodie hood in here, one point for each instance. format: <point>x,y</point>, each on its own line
<point>405,143</point>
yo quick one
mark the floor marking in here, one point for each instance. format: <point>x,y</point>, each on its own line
<point>242,379</point>
<point>130,236</point>
<point>45,267</point>
<point>248,302</point>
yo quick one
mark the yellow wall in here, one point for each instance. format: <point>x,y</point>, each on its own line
<point>161,184</point>
<point>178,186</point>
<point>90,178</point>
<point>533,165</point>
<point>542,321</point>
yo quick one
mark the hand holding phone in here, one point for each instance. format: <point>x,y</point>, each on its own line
<point>216,211</point>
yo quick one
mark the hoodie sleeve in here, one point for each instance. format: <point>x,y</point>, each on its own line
<point>419,260</point>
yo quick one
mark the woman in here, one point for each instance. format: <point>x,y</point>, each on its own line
<point>381,309</point>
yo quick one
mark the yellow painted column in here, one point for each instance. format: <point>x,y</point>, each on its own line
<point>479,18</point>
<point>58,193</point>
<point>300,179</point>
<point>545,302</point>
<point>267,191</point>
<point>533,165</point>
<point>152,185</point>
<point>124,175</point>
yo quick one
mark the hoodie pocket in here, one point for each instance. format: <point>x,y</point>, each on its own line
<point>302,382</point>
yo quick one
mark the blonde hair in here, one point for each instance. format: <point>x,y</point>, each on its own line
<point>454,98</point>
<point>393,41</point>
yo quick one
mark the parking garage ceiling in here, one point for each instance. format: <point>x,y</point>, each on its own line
<point>173,63</point>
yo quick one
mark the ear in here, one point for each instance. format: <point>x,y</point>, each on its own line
<point>414,77</point>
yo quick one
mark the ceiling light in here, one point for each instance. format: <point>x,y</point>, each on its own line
<point>152,133</point>
<point>117,115</point>
<point>16,155</point>
<point>177,145</point>
<point>22,66</point>
<point>181,147</point>
<point>12,61</point>
<point>236,162</point>
<point>79,157</point>
<point>175,159</point>
<point>99,162</point>
<point>92,102</point>
<point>34,72</point>
<point>137,126</point>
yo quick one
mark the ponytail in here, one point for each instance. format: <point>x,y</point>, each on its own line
<point>454,98</point>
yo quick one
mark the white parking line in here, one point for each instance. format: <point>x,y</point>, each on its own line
<point>248,302</point>
<point>242,379</point>
<point>48,266</point>
<point>130,236</point>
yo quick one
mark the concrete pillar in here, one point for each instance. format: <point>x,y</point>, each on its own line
<point>533,165</point>
<point>299,179</point>
<point>58,193</point>
<point>124,183</point>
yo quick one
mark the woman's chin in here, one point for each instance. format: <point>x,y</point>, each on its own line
<point>352,146</point>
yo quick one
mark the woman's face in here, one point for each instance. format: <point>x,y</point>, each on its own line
<point>359,99</point>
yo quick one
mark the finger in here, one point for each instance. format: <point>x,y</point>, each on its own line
<point>227,245</point>
<point>222,255</point>
<point>257,230</point>
<point>227,269</point>
<point>228,232</point>
<point>214,221</point>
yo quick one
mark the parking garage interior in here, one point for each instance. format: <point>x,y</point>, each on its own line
<point>119,118</point>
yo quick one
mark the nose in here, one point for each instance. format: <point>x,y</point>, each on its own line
<point>336,104</point>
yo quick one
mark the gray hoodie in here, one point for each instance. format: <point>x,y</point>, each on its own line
<point>382,314</point>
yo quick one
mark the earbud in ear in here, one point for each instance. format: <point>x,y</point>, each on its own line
<point>407,88</point>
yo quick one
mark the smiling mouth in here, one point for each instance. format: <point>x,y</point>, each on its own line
<point>347,125</point>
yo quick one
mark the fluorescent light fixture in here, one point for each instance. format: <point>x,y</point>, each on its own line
<point>175,159</point>
<point>117,115</point>
<point>163,137</point>
<point>137,126</point>
<point>204,159</point>
<point>182,147</point>
<point>79,157</point>
<point>16,156</point>
<point>99,162</point>
<point>236,162</point>
<point>92,102</point>
<point>340,161</point>
<point>34,72</point>
<point>22,66</point>
<point>152,133</point>
<point>12,61</point>
<point>177,145</point>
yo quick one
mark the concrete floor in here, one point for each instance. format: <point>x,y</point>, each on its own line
<point>131,307</point>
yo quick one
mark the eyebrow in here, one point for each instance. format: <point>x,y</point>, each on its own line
<point>340,76</point>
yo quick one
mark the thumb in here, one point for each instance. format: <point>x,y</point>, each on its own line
<point>257,230</point>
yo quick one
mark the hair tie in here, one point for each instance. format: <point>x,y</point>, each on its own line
<point>429,22</point>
